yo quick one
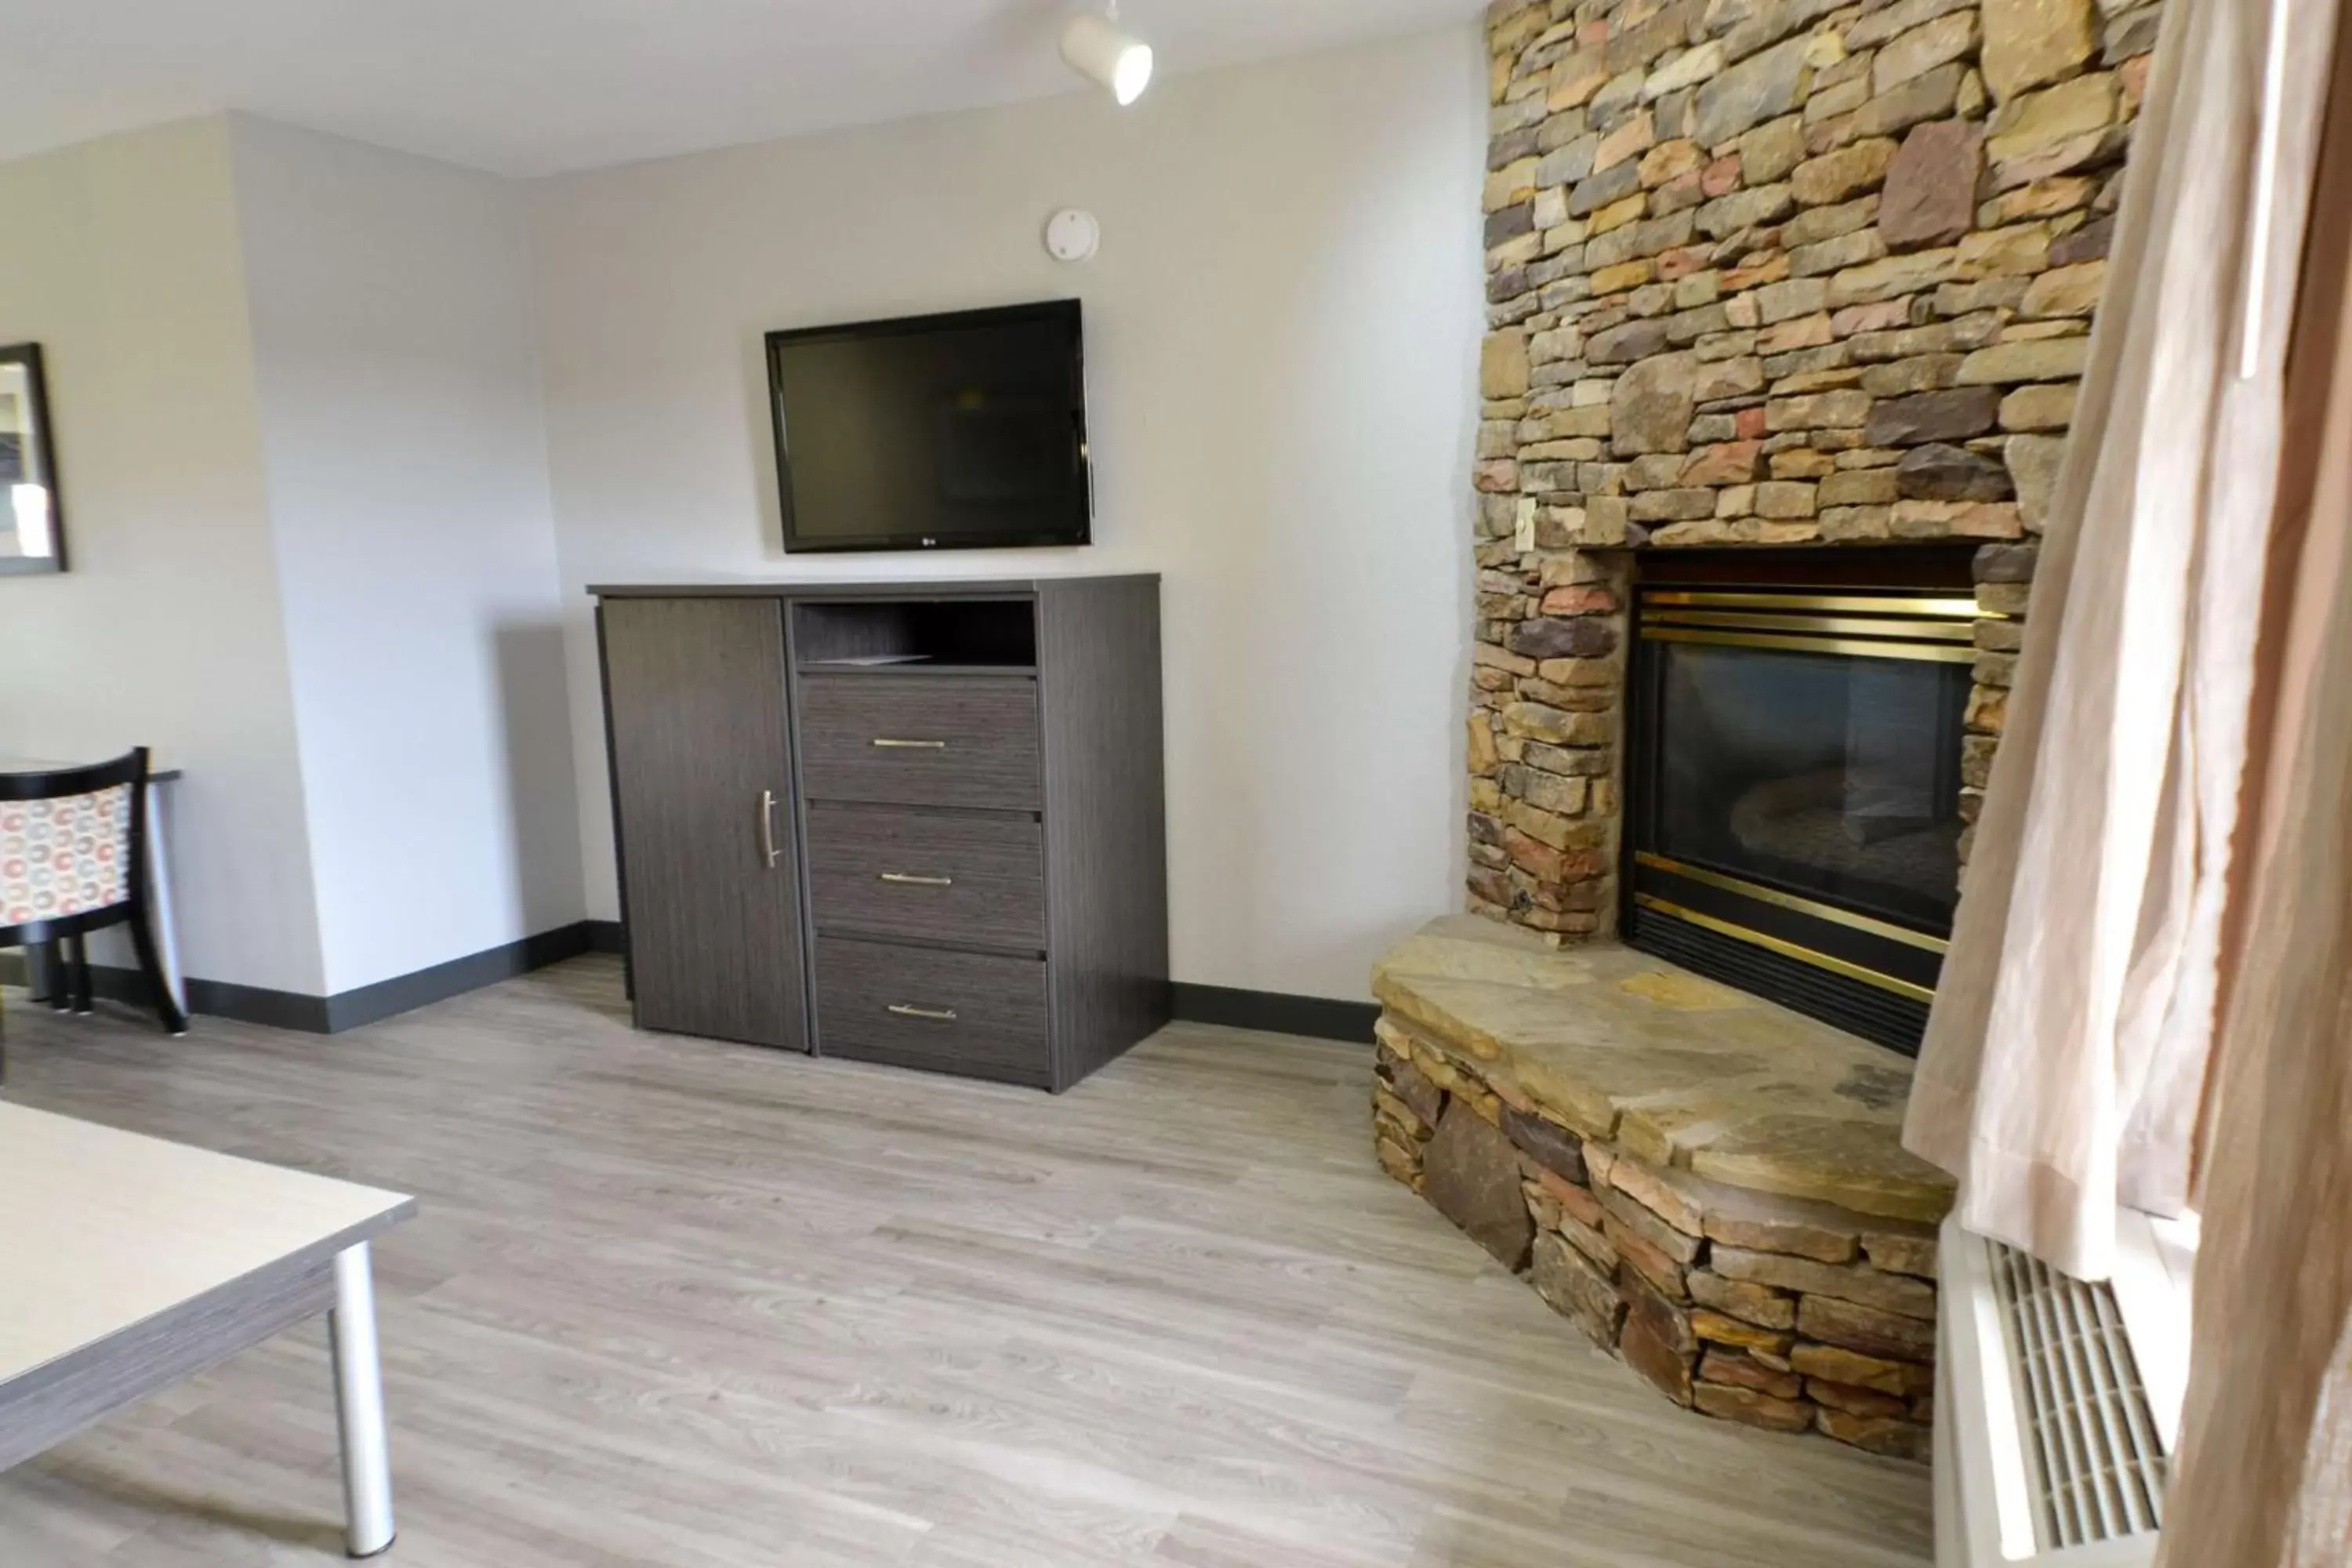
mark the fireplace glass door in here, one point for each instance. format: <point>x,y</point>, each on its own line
<point>1795,786</point>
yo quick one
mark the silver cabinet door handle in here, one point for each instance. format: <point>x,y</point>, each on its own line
<point>890,745</point>
<point>767,826</point>
<point>937,1014</point>
<point>903,880</point>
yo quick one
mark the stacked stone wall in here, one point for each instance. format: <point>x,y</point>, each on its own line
<point>1764,272</point>
<point>1789,1315</point>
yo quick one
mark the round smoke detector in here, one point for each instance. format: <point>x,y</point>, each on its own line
<point>1073,236</point>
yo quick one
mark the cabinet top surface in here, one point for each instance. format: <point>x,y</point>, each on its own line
<point>902,588</point>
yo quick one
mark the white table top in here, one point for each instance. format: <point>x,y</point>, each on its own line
<point>101,1229</point>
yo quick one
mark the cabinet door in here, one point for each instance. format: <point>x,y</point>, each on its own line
<point>702,785</point>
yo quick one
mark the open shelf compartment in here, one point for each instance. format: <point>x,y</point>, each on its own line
<point>928,637</point>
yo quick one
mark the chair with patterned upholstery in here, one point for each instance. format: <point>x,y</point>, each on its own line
<point>72,849</point>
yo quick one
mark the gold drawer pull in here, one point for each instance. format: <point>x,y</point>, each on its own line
<point>905,881</point>
<point>912,745</point>
<point>937,1014</point>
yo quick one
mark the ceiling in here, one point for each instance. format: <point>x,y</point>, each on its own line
<point>537,87</point>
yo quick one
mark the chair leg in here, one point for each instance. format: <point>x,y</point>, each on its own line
<point>60,974</point>
<point>167,1009</point>
<point>81,996</point>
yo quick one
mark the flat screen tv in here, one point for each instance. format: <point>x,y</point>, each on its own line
<point>955,432</point>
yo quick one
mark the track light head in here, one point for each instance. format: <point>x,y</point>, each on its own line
<point>1098,49</point>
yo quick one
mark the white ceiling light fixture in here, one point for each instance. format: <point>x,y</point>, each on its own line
<point>1097,49</point>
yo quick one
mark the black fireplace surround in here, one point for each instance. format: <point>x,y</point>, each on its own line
<point>1793,774</point>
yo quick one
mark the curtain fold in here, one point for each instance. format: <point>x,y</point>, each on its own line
<point>2153,953</point>
<point>2066,1058</point>
<point>2264,1474</point>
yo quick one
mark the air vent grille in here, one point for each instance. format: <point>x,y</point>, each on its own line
<point>2098,1465</point>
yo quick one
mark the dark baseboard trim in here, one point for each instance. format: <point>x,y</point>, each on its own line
<point>365,1005</point>
<point>210,998</point>
<point>406,993</point>
<point>224,999</point>
<point>1317,1018</point>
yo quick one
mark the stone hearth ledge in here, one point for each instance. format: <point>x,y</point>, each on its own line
<point>1710,1184</point>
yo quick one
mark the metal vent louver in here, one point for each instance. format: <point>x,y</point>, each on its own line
<point>2099,1467</point>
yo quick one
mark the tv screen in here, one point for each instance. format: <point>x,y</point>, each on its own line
<point>933,432</point>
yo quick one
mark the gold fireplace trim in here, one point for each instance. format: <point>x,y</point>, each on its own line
<point>1844,603</point>
<point>1926,627</point>
<point>1858,626</point>
<point>1803,954</point>
<point>1803,906</point>
<point>1853,648</point>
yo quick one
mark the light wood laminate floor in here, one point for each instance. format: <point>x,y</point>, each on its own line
<point>676,1303</point>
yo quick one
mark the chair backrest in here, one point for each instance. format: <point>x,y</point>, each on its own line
<point>69,842</point>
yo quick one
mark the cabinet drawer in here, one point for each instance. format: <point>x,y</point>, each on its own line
<point>950,877</point>
<point>903,739</point>
<point>967,1013</point>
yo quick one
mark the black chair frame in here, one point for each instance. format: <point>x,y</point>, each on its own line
<point>65,935</point>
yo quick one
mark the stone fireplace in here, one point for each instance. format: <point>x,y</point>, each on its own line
<point>1764,273</point>
<point>1788,302</point>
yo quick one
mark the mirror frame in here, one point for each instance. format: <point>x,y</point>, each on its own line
<point>45,453</point>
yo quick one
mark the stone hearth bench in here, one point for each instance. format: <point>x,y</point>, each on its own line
<point>1710,1184</point>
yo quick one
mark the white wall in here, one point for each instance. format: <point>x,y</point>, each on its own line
<point>121,258</point>
<point>307,477</point>
<point>1282,332</point>
<point>393,343</point>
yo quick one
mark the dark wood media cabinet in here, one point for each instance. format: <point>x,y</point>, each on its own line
<point>919,823</point>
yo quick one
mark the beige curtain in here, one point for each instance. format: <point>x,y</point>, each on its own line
<point>2066,1057</point>
<point>2168,837</point>
<point>2264,1474</point>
